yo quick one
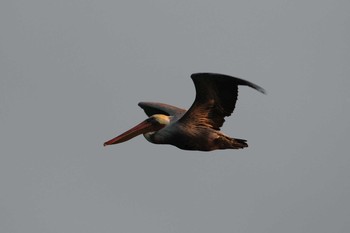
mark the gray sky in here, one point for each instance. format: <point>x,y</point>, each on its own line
<point>72,73</point>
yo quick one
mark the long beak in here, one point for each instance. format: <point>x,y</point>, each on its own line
<point>141,128</point>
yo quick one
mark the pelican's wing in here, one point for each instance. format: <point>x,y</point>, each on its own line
<point>152,108</point>
<point>216,96</point>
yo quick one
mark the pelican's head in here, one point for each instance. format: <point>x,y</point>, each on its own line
<point>151,124</point>
<point>159,119</point>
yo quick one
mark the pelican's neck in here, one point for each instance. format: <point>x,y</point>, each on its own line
<point>162,120</point>
<point>149,136</point>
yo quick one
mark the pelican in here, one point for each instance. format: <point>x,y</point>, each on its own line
<point>199,127</point>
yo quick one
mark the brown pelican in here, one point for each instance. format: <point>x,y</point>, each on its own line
<point>199,127</point>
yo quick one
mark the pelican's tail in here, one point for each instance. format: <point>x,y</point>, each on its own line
<point>237,143</point>
<point>226,142</point>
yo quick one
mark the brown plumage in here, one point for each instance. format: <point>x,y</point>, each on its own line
<point>198,128</point>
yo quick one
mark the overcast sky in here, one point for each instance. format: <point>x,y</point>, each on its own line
<point>72,73</point>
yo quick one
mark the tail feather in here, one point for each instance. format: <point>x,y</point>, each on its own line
<point>226,142</point>
<point>238,143</point>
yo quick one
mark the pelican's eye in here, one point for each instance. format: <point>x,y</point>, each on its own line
<point>152,120</point>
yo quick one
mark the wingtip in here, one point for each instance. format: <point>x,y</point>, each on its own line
<point>262,90</point>
<point>238,80</point>
<point>142,104</point>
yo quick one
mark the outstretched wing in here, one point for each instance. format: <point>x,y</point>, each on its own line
<point>216,96</point>
<point>152,108</point>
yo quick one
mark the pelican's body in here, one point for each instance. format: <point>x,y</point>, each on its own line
<point>199,127</point>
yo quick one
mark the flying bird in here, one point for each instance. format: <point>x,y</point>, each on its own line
<point>198,128</point>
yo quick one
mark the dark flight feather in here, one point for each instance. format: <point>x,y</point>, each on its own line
<point>216,96</point>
